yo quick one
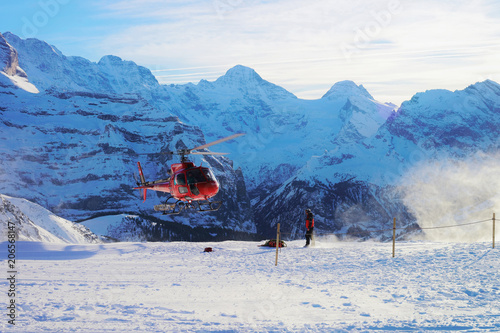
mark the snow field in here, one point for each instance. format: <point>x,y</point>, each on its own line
<point>176,287</point>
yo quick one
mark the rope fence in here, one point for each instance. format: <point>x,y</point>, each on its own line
<point>393,229</point>
<point>456,225</point>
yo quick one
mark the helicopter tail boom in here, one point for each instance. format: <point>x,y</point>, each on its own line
<point>157,185</point>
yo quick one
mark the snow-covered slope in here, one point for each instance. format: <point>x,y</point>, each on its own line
<point>336,287</point>
<point>34,223</point>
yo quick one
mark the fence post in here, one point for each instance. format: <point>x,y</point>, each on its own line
<point>277,244</point>
<point>394,238</point>
<point>493,230</point>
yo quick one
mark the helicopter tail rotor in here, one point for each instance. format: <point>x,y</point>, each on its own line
<point>142,183</point>
<point>141,174</point>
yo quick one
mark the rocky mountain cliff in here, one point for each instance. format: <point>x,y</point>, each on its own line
<point>73,146</point>
<point>10,72</point>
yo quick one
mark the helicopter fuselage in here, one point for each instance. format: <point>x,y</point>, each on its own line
<point>187,182</point>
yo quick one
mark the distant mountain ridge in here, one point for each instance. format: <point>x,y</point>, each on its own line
<point>50,70</point>
<point>73,146</point>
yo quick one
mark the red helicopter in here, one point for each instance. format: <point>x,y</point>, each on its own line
<point>189,186</point>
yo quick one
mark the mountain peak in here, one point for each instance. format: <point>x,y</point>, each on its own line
<point>240,74</point>
<point>10,36</point>
<point>110,60</point>
<point>34,45</point>
<point>488,88</point>
<point>126,75</point>
<point>246,80</point>
<point>346,88</point>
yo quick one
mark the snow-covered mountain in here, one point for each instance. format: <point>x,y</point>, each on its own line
<point>283,132</point>
<point>50,70</point>
<point>356,187</point>
<point>73,146</point>
<point>75,150</point>
<point>457,121</point>
<point>32,222</point>
<point>76,155</point>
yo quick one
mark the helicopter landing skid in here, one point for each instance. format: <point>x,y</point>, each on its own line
<point>178,206</point>
<point>212,206</point>
<point>164,207</point>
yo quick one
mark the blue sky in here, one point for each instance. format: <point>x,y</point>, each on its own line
<point>395,48</point>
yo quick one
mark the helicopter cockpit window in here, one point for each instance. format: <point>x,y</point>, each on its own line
<point>195,176</point>
<point>208,174</point>
<point>180,179</point>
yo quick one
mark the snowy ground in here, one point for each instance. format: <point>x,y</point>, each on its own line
<point>176,287</point>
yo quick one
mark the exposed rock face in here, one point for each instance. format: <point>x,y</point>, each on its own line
<point>8,58</point>
<point>12,73</point>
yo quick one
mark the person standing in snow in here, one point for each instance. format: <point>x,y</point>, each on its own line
<point>309,226</point>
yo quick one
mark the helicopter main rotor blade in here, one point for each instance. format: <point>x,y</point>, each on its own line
<point>160,153</point>
<point>207,153</point>
<point>218,141</point>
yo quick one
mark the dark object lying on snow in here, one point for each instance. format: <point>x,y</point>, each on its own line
<point>208,249</point>
<point>272,243</point>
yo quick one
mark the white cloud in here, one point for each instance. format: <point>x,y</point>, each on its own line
<point>299,44</point>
